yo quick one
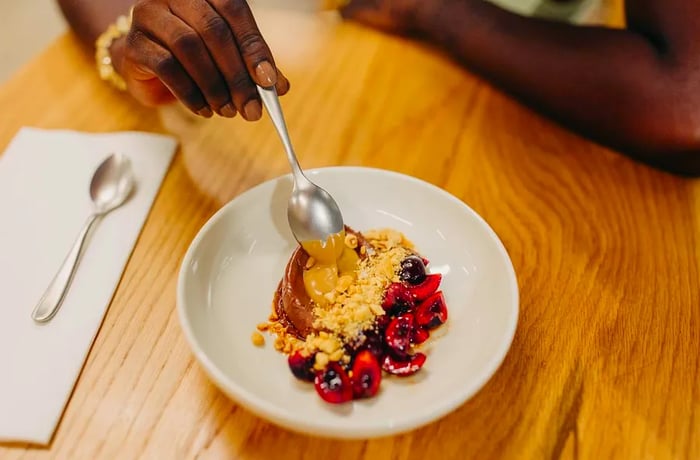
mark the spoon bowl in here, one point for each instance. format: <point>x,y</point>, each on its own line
<point>111,184</point>
<point>312,213</point>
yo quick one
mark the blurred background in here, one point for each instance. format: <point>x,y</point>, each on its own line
<point>31,25</point>
<point>28,26</point>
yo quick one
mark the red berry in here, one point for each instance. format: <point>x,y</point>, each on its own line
<point>420,335</point>
<point>366,375</point>
<point>374,343</point>
<point>398,334</point>
<point>333,384</point>
<point>432,312</point>
<point>397,299</point>
<point>381,323</point>
<point>426,262</point>
<point>425,289</point>
<point>412,270</point>
<point>404,367</point>
<point>302,366</point>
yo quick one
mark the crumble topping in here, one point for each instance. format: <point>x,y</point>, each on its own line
<point>257,339</point>
<point>354,305</point>
<point>351,241</point>
<point>384,239</point>
<point>285,342</point>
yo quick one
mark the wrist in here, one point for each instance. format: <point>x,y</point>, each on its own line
<point>443,21</point>
<point>425,20</point>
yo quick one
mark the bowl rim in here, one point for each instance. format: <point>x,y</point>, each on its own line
<point>270,412</point>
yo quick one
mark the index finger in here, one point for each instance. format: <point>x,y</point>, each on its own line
<point>252,46</point>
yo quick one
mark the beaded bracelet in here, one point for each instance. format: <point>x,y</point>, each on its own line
<point>103,58</point>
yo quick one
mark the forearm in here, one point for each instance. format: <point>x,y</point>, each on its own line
<point>89,18</point>
<point>612,85</point>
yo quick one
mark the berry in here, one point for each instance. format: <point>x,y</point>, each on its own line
<point>302,366</point>
<point>425,289</point>
<point>397,299</point>
<point>366,375</point>
<point>412,270</point>
<point>333,384</point>
<point>381,323</point>
<point>374,343</point>
<point>420,335</point>
<point>403,367</point>
<point>432,312</point>
<point>398,334</point>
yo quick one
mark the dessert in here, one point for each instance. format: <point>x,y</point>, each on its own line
<point>354,308</point>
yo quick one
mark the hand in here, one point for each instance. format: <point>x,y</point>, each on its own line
<point>396,16</point>
<point>207,53</point>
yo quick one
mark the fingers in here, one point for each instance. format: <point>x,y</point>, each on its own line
<point>251,45</point>
<point>146,59</point>
<point>283,84</point>
<point>188,48</point>
<point>208,53</point>
<point>220,42</point>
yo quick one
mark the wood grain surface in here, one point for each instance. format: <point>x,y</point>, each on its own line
<point>605,362</point>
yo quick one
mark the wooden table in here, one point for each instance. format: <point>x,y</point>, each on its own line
<point>605,362</point>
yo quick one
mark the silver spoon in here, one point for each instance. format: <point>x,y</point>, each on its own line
<point>312,212</point>
<point>111,185</point>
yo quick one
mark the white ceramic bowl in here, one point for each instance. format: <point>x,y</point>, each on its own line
<point>232,268</point>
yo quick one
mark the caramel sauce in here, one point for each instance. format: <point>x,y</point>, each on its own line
<point>333,259</point>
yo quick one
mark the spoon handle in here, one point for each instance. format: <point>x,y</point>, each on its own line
<point>272,104</point>
<point>56,292</point>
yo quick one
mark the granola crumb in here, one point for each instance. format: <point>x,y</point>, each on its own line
<point>351,241</point>
<point>344,283</point>
<point>354,309</point>
<point>321,361</point>
<point>284,341</point>
<point>337,355</point>
<point>257,339</point>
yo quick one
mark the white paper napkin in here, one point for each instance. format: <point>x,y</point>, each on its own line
<point>44,201</point>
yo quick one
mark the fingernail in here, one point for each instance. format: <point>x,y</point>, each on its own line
<point>229,111</point>
<point>266,74</point>
<point>206,112</point>
<point>282,86</point>
<point>253,110</point>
